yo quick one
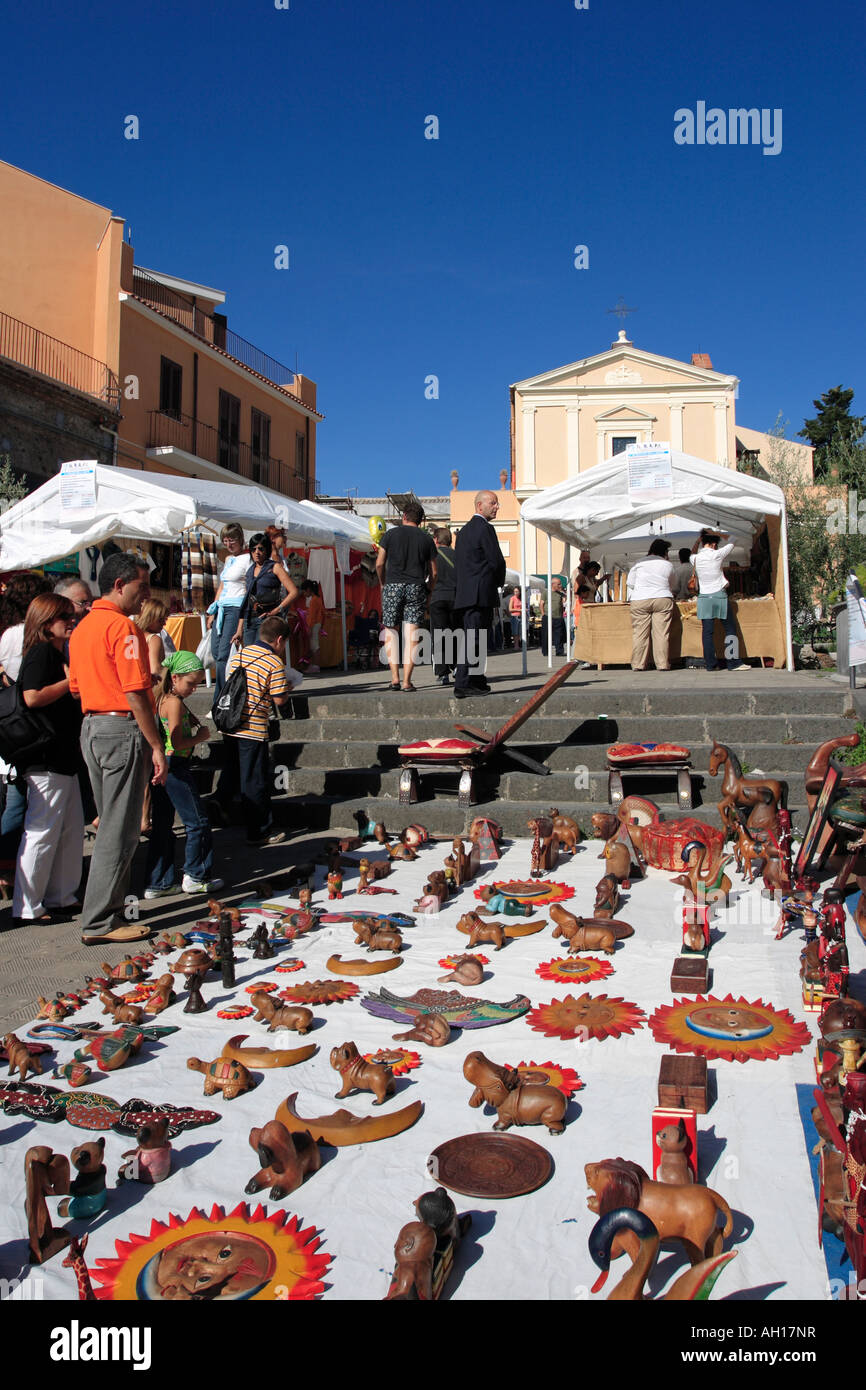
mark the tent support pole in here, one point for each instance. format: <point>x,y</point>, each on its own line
<point>548,617</point>
<point>343,619</point>
<point>566,565</point>
<point>789,649</point>
<point>523,590</point>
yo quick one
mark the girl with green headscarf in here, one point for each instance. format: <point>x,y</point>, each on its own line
<point>181,731</point>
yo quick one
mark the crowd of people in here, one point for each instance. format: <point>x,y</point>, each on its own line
<point>110,735</point>
<point>109,691</point>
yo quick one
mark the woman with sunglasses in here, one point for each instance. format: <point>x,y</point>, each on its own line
<point>269,591</point>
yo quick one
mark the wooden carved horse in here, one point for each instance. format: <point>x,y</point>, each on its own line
<point>761,796</point>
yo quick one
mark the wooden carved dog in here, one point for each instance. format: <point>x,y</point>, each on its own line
<point>286,1159</point>
<point>579,936</point>
<point>360,1075</point>
<point>293,1016</point>
<point>20,1058</point>
<point>480,931</point>
<point>120,1012</point>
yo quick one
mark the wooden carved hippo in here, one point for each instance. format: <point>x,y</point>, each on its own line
<point>232,1078</point>
<point>516,1102</point>
<point>378,938</point>
<point>120,1012</point>
<point>360,1075</point>
<point>480,930</point>
<point>292,1016</point>
<point>286,1159</point>
<point>579,936</point>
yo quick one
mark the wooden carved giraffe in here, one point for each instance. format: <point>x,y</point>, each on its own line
<point>75,1260</point>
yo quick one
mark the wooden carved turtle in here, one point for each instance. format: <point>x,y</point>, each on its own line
<point>232,1078</point>
<point>128,969</point>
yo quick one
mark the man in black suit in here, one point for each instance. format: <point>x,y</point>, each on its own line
<point>480,575</point>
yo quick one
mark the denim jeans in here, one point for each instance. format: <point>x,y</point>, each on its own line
<point>12,823</point>
<point>247,769</point>
<point>708,635</point>
<point>179,794</point>
<point>221,646</point>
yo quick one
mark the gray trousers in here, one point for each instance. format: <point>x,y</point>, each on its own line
<point>116,753</point>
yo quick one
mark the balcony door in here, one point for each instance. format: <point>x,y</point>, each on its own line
<point>229,431</point>
<point>260,446</point>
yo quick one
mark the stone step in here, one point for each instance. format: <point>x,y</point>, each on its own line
<point>579,698</point>
<point>443,816</point>
<point>783,759</point>
<point>501,783</point>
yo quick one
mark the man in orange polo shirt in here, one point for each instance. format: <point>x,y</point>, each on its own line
<point>109,670</point>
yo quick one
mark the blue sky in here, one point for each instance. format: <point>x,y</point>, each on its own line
<point>454,257</point>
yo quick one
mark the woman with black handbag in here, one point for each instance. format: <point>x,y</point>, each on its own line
<point>269,591</point>
<point>48,871</point>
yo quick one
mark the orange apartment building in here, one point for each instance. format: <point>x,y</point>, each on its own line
<point>100,357</point>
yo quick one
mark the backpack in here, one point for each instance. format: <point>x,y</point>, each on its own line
<point>25,733</point>
<point>230,707</point>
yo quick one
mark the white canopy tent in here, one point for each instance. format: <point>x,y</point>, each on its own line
<point>158,507</point>
<point>594,511</point>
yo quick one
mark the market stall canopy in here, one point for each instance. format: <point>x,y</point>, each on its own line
<point>141,506</point>
<point>344,524</point>
<point>594,511</point>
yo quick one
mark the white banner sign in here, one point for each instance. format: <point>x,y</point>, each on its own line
<point>78,485</point>
<point>649,470</point>
<point>856,623</point>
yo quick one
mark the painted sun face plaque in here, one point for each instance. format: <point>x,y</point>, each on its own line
<point>586,1016</point>
<point>729,1029</point>
<point>242,1255</point>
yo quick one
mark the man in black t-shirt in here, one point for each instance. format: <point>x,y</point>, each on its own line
<point>406,566</point>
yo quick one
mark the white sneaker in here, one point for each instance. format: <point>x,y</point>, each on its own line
<point>151,893</point>
<point>190,885</point>
<point>742,667</point>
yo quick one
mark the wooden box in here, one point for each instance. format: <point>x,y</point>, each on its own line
<point>683,1083</point>
<point>690,975</point>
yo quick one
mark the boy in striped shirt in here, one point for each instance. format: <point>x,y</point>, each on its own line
<point>246,750</point>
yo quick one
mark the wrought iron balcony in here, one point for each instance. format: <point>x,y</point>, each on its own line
<point>39,352</point>
<point>210,327</point>
<point>205,442</point>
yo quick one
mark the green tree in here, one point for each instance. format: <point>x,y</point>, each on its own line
<point>834,427</point>
<point>12,488</point>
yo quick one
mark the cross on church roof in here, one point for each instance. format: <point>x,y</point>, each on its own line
<point>621,310</point>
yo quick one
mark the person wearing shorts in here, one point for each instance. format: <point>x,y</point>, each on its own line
<point>406,567</point>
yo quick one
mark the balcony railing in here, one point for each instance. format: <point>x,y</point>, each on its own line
<point>29,347</point>
<point>205,442</point>
<point>211,327</point>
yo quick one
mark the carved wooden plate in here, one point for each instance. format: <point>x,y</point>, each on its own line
<point>490,1165</point>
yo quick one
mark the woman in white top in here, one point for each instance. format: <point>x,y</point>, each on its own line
<point>708,558</point>
<point>225,610</point>
<point>649,587</point>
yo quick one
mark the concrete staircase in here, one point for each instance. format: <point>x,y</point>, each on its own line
<point>339,753</point>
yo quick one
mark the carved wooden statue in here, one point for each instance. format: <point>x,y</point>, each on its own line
<point>46,1174</point>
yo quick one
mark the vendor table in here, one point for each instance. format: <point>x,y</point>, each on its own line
<point>604,632</point>
<point>185,630</point>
